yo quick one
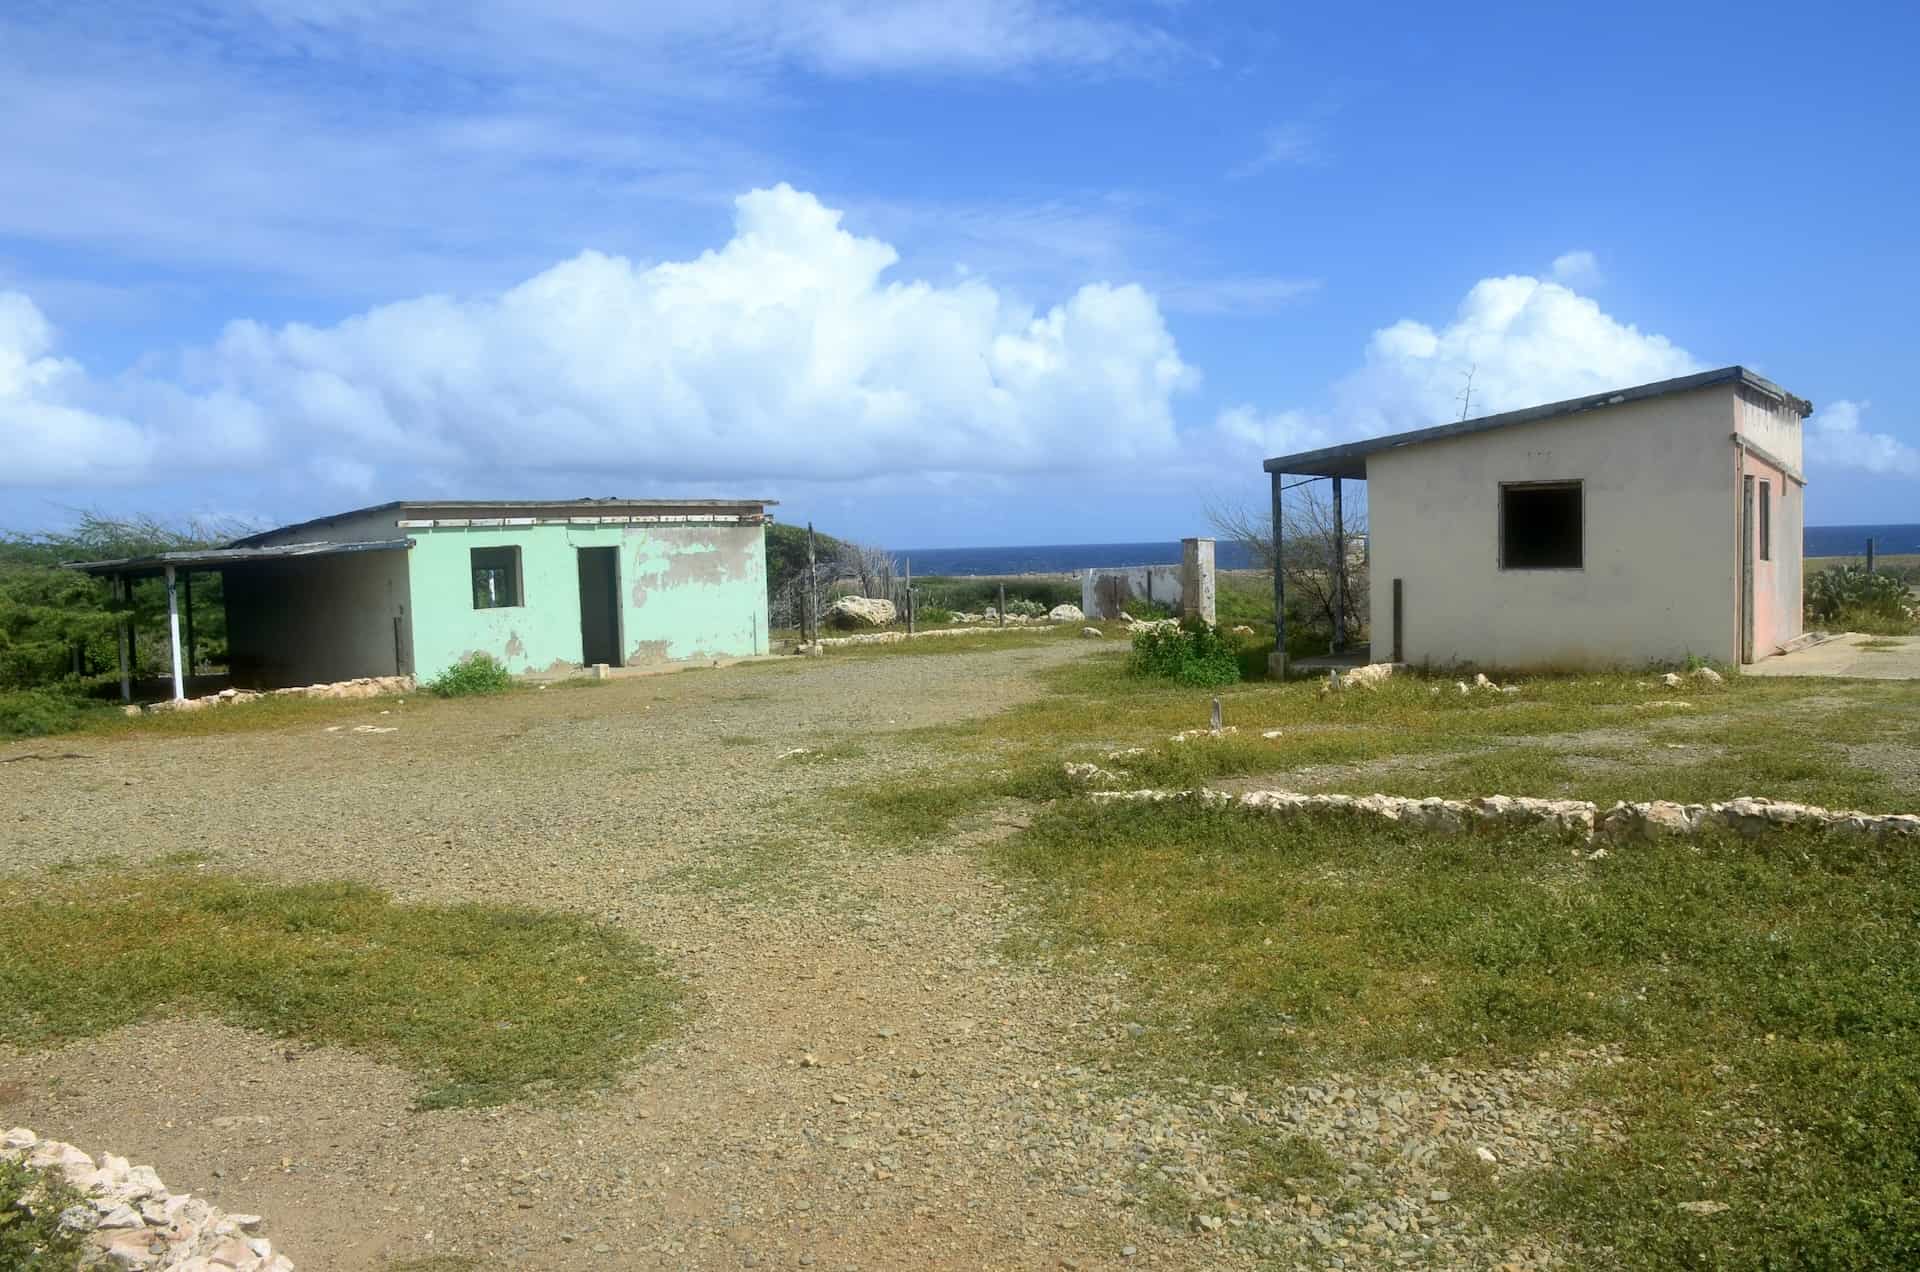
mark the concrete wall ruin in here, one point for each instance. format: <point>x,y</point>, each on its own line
<point>1105,592</point>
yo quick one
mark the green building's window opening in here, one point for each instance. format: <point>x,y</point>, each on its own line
<point>496,577</point>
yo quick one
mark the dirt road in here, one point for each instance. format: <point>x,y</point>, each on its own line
<point>863,1081</point>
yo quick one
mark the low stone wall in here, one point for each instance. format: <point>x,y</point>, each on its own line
<point>890,638</point>
<point>134,1222</point>
<point>1655,819</point>
<point>365,687</point>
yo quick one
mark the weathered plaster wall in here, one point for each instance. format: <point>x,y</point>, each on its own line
<point>1777,603</point>
<point>685,592</point>
<point>318,619</point>
<point>1776,582</point>
<point>1105,592</point>
<point>1774,426</point>
<point>1659,579</point>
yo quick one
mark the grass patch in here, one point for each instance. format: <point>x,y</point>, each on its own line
<point>830,753</point>
<point>1880,645</point>
<point>1767,994</point>
<point>486,1004</point>
<point>908,811</point>
<point>35,713</point>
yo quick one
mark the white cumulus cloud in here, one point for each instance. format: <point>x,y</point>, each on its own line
<point>1513,342</point>
<point>787,353</point>
<point>49,430</point>
<point>1577,269</point>
<point>1836,439</point>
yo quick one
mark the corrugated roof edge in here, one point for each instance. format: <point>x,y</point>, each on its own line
<point>583,504</point>
<point>1348,459</point>
<point>233,556</point>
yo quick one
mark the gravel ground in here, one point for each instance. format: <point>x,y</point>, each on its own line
<point>864,1081</point>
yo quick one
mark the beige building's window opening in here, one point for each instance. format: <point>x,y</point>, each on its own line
<point>1542,526</point>
<point>496,577</point>
<point>1766,521</point>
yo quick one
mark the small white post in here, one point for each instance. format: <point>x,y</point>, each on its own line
<point>173,635</point>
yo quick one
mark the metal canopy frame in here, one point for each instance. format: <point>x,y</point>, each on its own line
<point>1277,660</point>
<point>122,572</point>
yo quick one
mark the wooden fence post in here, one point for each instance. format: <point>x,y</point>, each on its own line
<point>812,615</point>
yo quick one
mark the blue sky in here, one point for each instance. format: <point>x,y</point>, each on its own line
<point>970,272</point>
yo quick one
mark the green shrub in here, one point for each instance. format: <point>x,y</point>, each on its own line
<point>973,595</point>
<point>932,616</point>
<point>1019,607</point>
<point>1192,653</point>
<point>475,674</point>
<point>34,713</point>
<point>1854,590</point>
<point>31,1237</point>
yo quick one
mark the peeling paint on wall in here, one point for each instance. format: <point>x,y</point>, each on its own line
<point>649,652</point>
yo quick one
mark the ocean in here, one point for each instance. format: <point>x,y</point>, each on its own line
<point>1067,558</point>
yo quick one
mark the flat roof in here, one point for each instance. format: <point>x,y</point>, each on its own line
<point>218,558</point>
<point>1350,459</point>
<point>482,507</point>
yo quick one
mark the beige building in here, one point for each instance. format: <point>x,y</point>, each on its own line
<point>1639,526</point>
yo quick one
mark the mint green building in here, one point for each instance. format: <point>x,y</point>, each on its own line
<point>411,588</point>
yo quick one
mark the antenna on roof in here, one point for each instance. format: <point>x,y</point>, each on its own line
<point>1465,396</point>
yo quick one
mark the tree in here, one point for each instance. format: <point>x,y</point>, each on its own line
<point>1308,554</point>
<point>55,622</point>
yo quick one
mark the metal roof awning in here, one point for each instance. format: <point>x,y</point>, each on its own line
<point>1350,460</point>
<point>226,558</point>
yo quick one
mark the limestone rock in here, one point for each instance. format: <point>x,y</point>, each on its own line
<point>1708,674</point>
<point>1091,633</point>
<point>860,611</point>
<point>1369,676</point>
<point>1066,614</point>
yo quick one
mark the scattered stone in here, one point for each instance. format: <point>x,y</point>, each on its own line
<point>1092,633</point>
<point>1091,775</point>
<point>1708,674</point>
<point>1670,680</point>
<point>1704,1207</point>
<point>1066,614</point>
<point>1188,735</point>
<point>1241,629</point>
<point>1369,676</point>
